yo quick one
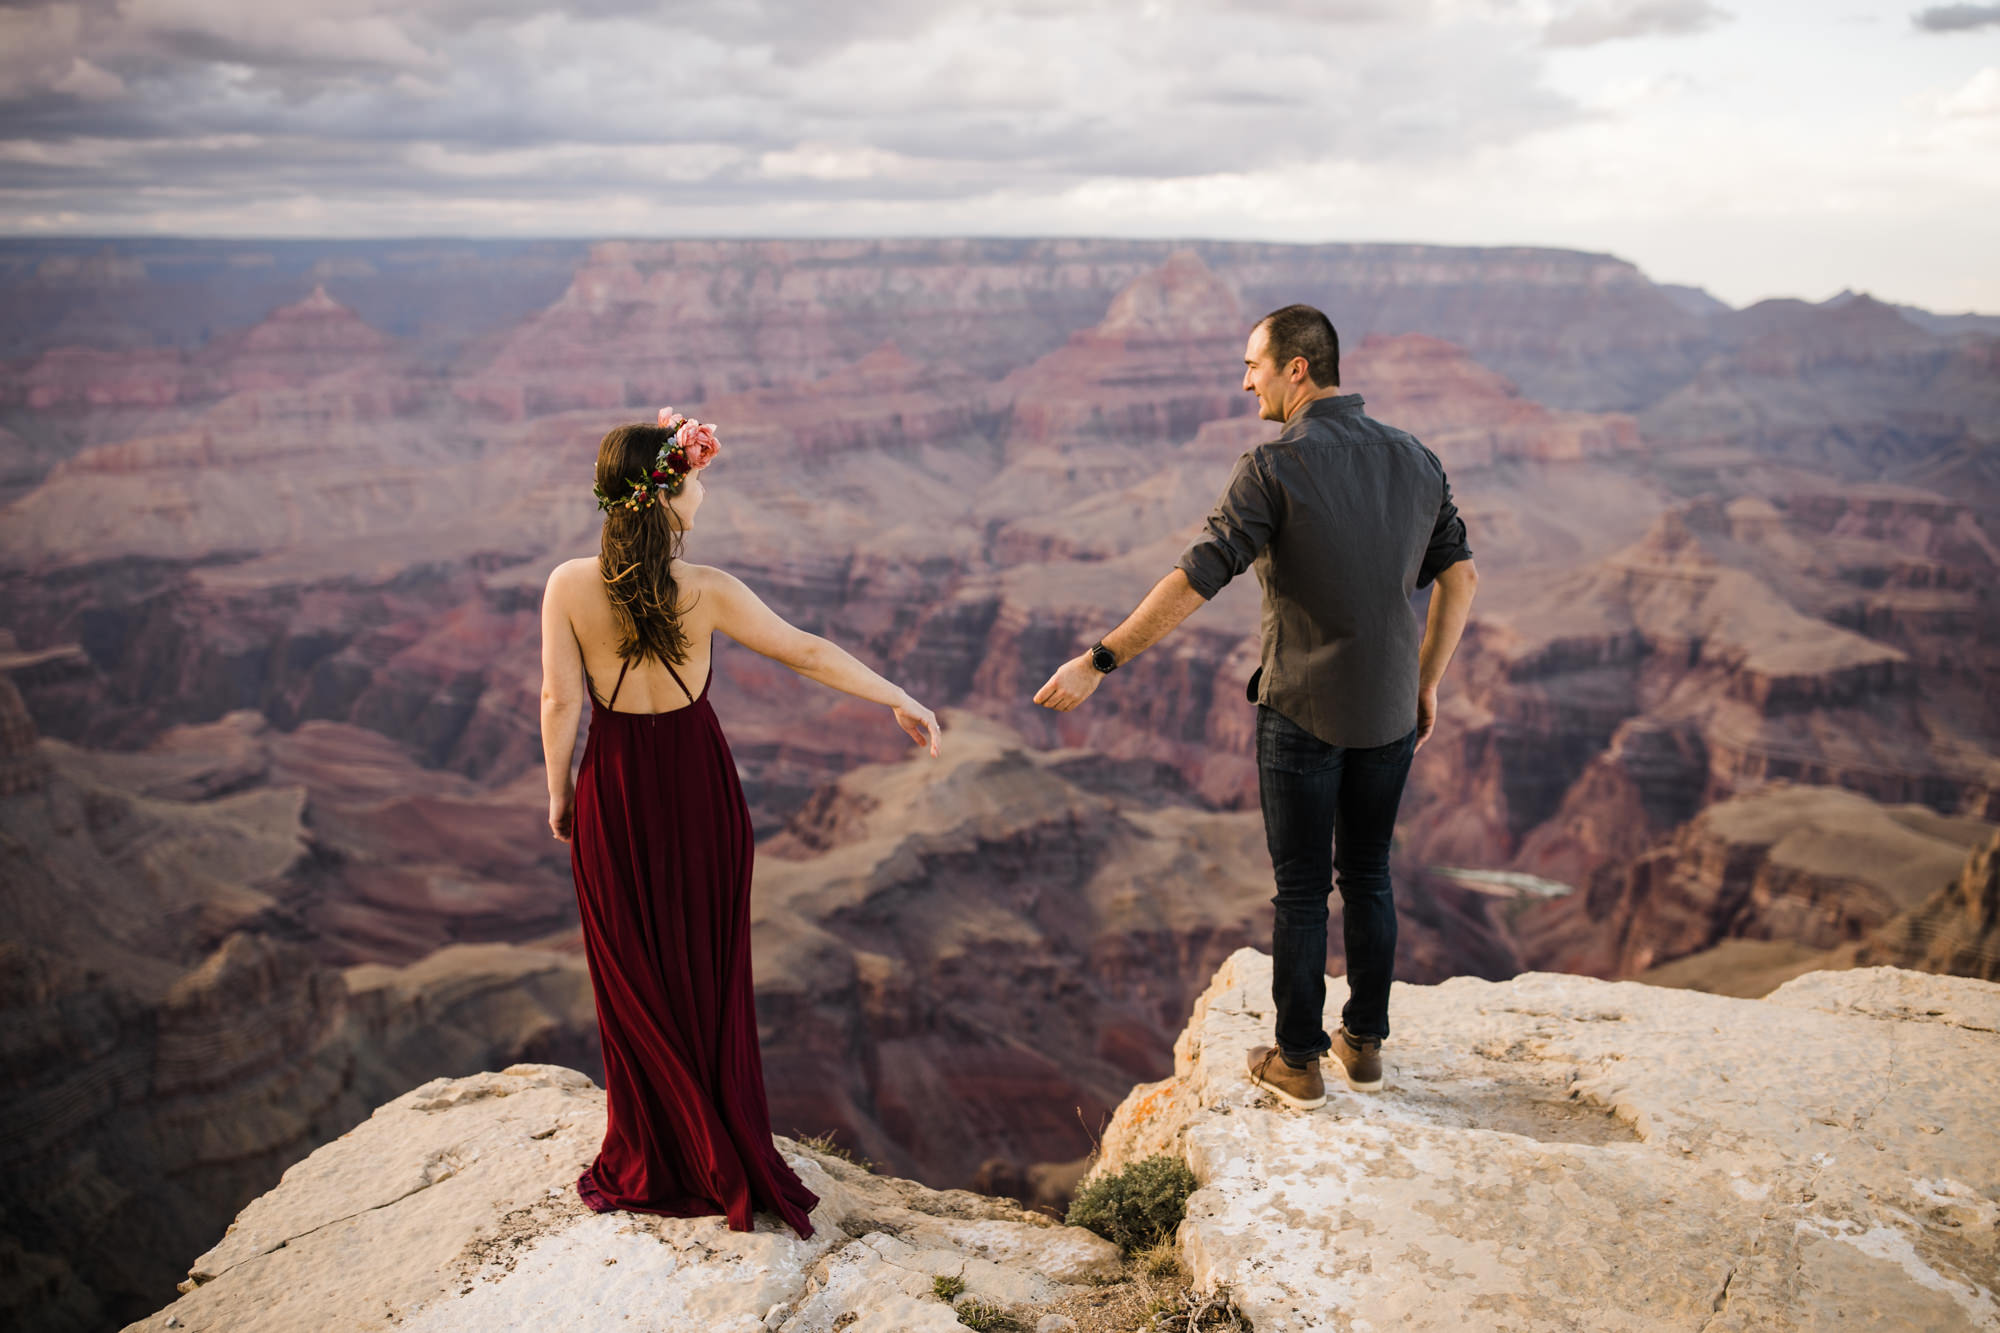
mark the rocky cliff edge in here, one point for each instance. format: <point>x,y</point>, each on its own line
<point>453,1207</point>
<point>1557,1152</point>
<point>1551,1152</point>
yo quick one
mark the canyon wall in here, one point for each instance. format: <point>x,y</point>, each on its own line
<point>271,556</point>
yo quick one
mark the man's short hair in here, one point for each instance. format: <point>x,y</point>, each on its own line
<point>1301,330</point>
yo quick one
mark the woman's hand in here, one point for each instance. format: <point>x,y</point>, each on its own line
<point>1427,715</point>
<point>919,721</point>
<point>562,812</point>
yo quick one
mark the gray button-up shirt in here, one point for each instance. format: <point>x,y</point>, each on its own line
<point>1344,518</point>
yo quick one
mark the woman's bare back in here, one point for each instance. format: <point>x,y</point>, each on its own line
<point>580,656</point>
<point>648,687</point>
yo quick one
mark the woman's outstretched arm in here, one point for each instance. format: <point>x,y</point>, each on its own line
<point>742,615</point>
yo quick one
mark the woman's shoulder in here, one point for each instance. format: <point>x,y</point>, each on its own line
<point>584,577</point>
<point>696,578</point>
<point>572,572</point>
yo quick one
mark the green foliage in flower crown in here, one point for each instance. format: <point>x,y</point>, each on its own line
<point>669,473</point>
<point>1136,1207</point>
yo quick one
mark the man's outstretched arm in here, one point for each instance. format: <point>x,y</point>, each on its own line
<point>1172,600</point>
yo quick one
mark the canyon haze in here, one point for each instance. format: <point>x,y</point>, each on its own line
<point>277,518</point>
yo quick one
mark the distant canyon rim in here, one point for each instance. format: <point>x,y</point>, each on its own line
<point>277,518</point>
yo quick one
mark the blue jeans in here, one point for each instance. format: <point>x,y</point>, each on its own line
<point>1327,809</point>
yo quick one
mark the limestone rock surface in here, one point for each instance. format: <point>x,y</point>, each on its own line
<point>1558,1152</point>
<point>453,1207</point>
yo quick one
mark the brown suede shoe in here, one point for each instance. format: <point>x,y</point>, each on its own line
<point>1360,1060</point>
<point>1302,1088</point>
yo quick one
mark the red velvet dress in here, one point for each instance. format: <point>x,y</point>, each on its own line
<point>661,850</point>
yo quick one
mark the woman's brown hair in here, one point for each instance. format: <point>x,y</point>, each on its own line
<point>637,551</point>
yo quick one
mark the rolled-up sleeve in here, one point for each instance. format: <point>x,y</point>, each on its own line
<point>1448,545</point>
<point>1238,528</point>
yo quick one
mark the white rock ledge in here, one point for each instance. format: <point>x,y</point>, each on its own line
<point>452,1207</point>
<point>1557,1152</point>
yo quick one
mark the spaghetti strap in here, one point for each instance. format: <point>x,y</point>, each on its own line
<point>623,667</point>
<point>619,684</point>
<point>677,679</point>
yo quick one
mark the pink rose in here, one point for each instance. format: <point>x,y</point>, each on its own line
<point>670,418</point>
<point>697,438</point>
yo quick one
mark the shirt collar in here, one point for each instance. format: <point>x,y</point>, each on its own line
<point>1338,405</point>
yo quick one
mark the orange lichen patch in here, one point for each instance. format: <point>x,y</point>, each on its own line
<point>1147,1106</point>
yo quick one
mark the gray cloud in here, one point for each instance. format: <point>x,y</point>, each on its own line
<point>1598,21</point>
<point>794,31</point>
<point>718,103</point>
<point>1956,18</point>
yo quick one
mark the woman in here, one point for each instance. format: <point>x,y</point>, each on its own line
<point>661,849</point>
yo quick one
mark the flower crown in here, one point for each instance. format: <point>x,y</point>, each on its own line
<point>690,446</point>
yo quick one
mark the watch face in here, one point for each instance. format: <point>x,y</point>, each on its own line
<point>1101,658</point>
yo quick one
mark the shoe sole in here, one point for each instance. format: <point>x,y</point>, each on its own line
<point>1297,1103</point>
<point>1376,1086</point>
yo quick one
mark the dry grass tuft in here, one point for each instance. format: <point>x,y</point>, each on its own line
<point>1160,1260</point>
<point>825,1143</point>
<point>1153,1296</point>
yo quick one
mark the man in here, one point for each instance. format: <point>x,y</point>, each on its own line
<point>1344,518</point>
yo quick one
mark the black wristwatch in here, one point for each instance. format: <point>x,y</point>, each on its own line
<point>1101,658</point>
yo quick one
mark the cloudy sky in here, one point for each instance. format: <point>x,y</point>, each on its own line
<point>1754,147</point>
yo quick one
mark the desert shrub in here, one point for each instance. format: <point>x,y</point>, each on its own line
<point>1138,1206</point>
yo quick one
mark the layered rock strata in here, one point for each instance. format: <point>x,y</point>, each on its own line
<point>966,460</point>
<point>649,322</point>
<point>1955,930</point>
<point>394,861</point>
<point>290,347</point>
<point>1852,389</point>
<point>1711,657</point>
<point>962,965</point>
<point>973,958</point>
<point>1815,867</point>
<point>22,765</point>
<point>173,1036</point>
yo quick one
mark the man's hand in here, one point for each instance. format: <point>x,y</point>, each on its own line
<point>1170,602</point>
<point>1074,681</point>
<point>1427,715</point>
